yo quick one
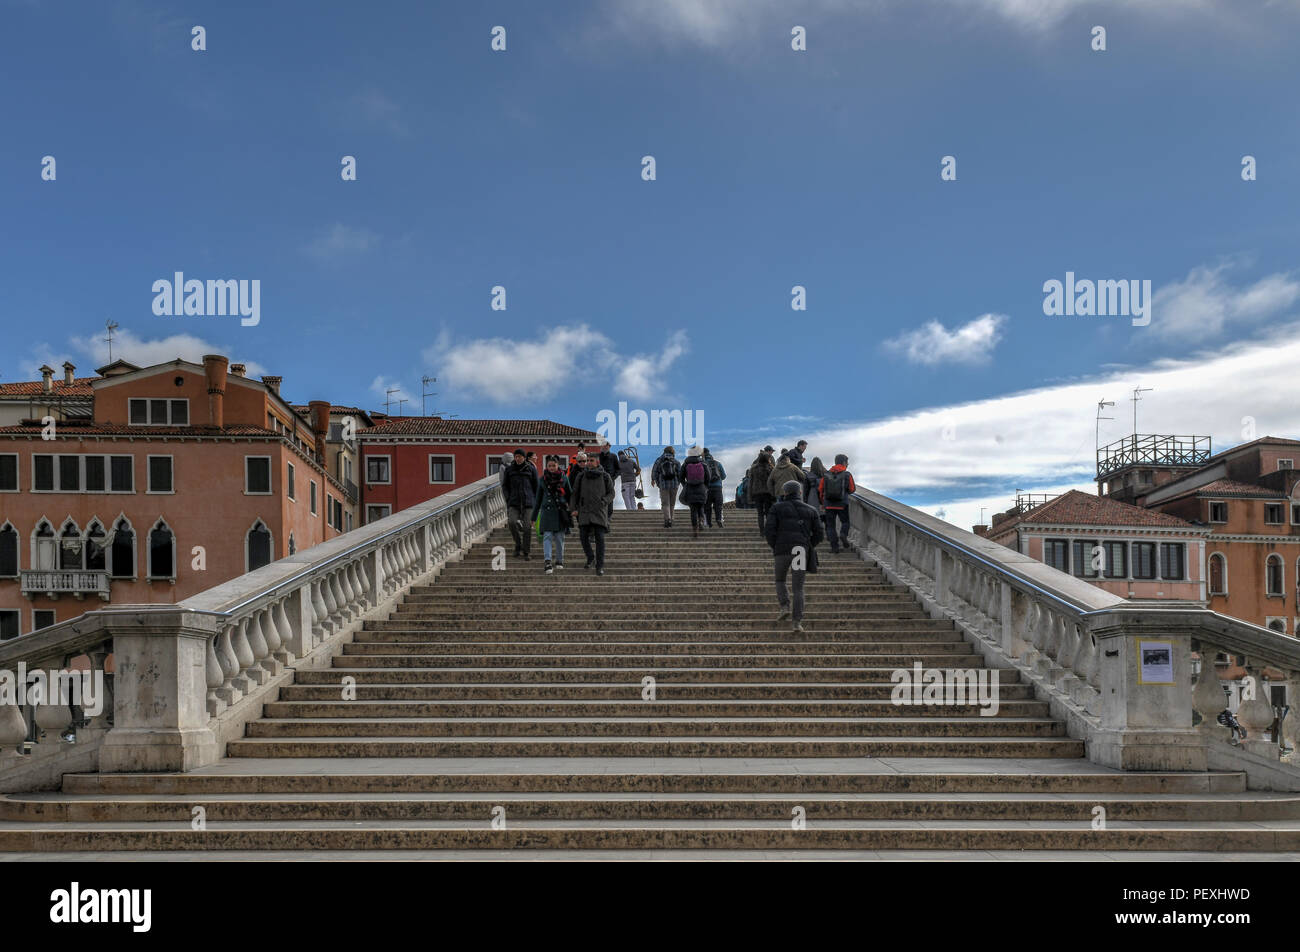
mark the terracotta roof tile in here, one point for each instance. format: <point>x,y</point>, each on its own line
<point>80,387</point>
<point>1076,508</point>
<point>1230,487</point>
<point>430,426</point>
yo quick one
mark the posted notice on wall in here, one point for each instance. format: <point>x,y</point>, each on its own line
<point>1155,662</point>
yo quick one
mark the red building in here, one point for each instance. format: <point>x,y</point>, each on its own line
<point>407,460</point>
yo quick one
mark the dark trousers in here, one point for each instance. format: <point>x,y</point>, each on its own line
<point>713,508</point>
<point>842,538</point>
<point>520,521</point>
<point>762,503</point>
<point>587,533</point>
<point>783,563</point>
<point>697,515</point>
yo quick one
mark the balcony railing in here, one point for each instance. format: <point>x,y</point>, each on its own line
<point>1149,449</point>
<point>56,582</point>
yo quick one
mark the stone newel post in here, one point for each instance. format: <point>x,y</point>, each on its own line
<point>160,711</point>
<point>1146,707</point>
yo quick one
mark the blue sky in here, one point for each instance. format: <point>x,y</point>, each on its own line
<point>775,168</point>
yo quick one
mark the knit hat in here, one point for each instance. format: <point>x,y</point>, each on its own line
<point>694,451</point>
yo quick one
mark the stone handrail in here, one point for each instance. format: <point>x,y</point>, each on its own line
<point>1078,645</point>
<point>182,671</point>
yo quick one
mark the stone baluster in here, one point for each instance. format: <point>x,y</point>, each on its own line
<point>343,613</point>
<point>243,681</point>
<point>258,670</point>
<point>1290,734</point>
<point>319,613</point>
<point>216,677</point>
<point>284,629</point>
<point>229,662</point>
<point>1256,714</point>
<point>266,625</point>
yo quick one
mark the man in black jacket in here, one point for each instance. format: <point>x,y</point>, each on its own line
<point>609,463</point>
<point>519,487</point>
<point>793,531</point>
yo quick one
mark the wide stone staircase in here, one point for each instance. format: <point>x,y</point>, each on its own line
<point>661,707</point>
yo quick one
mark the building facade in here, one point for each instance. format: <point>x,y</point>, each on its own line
<point>408,460</point>
<point>183,477</point>
<point>1131,552</point>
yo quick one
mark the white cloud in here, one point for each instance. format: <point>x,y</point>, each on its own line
<point>373,108</point>
<point>968,455</point>
<point>932,344</point>
<point>1203,304</point>
<point>641,376</point>
<point>715,24</point>
<point>510,371</point>
<point>339,241</point>
<point>91,351</point>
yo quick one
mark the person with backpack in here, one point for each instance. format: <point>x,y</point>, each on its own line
<point>519,487</point>
<point>592,495</point>
<point>713,504</point>
<point>782,474</point>
<point>836,487</point>
<point>793,532</point>
<point>760,471</point>
<point>742,493</point>
<point>665,474</point>
<point>628,471</point>
<point>695,488</point>
<point>551,512</point>
<point>812,493</point>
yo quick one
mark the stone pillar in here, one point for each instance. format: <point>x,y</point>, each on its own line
<point>160,717</point>
<point>1146,724</point>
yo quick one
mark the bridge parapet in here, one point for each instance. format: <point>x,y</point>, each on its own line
<point>1121,674</point>
<point>187,677</point>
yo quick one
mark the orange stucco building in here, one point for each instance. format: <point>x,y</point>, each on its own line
<point>183,477</point>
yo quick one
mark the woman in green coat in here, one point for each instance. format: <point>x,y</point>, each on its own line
<point>551,511</point>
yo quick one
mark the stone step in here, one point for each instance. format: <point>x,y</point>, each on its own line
<point>775,834</point>
<point>354,729</point>
<point>580,746</point>
<point>582,649</point>
<point>568,805</point>
<point>333,707</point>
<point>378,688</point>
<point>912,633</point>
<point>630,777</point>
<point>651,662</point>
<point>664,676</point>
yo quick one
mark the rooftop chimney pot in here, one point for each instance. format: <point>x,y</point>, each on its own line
<point>47,378</point>
<point>68,369</point>
<point>273,383</point>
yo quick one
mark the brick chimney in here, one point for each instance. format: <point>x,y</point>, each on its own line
<point>68,369</point>
<point>47,378</point>
<point>214,369</point>
<point>238,369</point>
<point>273,383</point>
<point>981,531</point>
<point>320,425</point>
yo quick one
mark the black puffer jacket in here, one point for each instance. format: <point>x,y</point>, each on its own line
<point>519,486</point>
<point>790,523</point>
<point>694,494</point>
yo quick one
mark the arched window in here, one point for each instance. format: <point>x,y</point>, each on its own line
<point>162,551</point>
<point>1218,575</point>
<point>8,551</point>
<point>258,546</point>
<point>95,547</point>
<point>121,550</point>
<point>70,547</point>
<point>45,547</point>
<point>1277,624</point>
<point>1273,572</point>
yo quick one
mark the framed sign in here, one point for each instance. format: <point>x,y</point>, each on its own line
<point>1155,662</point>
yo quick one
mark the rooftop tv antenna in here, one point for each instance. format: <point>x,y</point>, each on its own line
<point>1137,395</point>
<point>1102,404</point>
<point>426,392</point>
<point>110,326</point>
<point>388,399</point>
